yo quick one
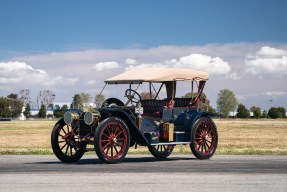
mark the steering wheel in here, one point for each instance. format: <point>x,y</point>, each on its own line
<point>132,96</point>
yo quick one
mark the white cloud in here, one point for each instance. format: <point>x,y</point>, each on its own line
<point>20,72</point>
<point>271,52</point>
<point>91,82</point>
<point>213,65</point>
<point>80,62</point>
<point>275,93</point>
<point>130,61</point>
<point>267,62</point>
<point>105,65</point>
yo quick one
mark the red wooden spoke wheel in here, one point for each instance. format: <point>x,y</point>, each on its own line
<point>204,138</point>
<point>112,140</point>
<point>161,151</point>
<point>65,142</point>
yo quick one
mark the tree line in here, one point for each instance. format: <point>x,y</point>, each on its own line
<point>11,106</point>
<point>227,102</point>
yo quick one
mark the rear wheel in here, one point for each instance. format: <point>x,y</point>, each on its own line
<point>65,142</point>
<point>160,151</point>
<point>112,140</point>
<point>204,138</point>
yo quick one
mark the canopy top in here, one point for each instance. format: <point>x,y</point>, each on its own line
<point>140,75</point>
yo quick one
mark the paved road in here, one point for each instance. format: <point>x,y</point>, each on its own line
<point>144,173</point>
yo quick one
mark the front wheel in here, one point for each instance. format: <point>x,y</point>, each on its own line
<point>160,151</point>
<point>65,142</point>
<point>112,140</point>
<point>204,138</point>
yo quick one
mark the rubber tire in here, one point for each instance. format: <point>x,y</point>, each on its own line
<point>56,148</point>
<point>110,101</point>
<point>160,155</point>
<point>102,125</point>
<point>195,152</point>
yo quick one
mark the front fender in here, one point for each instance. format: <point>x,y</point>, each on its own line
<point>127,116</point>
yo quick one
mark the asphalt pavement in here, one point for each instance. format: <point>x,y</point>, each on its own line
<point>144,173</point>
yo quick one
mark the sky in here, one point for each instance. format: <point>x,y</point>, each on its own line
<point>71,46</point>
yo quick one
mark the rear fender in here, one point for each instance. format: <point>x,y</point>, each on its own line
<point>193,117</point>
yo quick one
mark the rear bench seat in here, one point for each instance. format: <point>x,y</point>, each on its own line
<point>154,107</point>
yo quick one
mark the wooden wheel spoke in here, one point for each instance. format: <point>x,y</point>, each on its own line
<point>119,134</point>
<point>112,151</point>
<point>105,135</point>
<point>108,130</point>
<point>66,152</point>
<point>116,149</point>
<point>108,148</point>
<point>208,146</point>
<point>116,130</point>
<point>63,130</point>
<point>68,128</point>
<point>119,144</point>
<point>106,145</point>
<point>71,151</point>
<point>204,144</point>
<point>63,146</point>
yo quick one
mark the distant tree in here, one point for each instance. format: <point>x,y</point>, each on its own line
<point>86,98</point>
<point>12,96</point>
<point>77,102</point>
<point>16,108</point>
<point>59,112</point>
<point>242,112</point>
<point>226,102</point>
<point>24,96</point>
<point>42,112</point>
<point>45,97</point>
<point>4,107</point>
<point>27,111</point>
<point>281,112</point>
<point>264,114</point>
<point>256,112</point>
<point>273,113</point>
<point>147,95</point>
<point>10,106</point>
<point>278,112</point>
<point>204,104</point>
<point>99,100</point>
<point>65,107</point>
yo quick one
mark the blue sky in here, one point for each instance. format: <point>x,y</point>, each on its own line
<point>61,25</point>
<point>67,41</point>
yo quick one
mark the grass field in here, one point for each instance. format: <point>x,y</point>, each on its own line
<point>235,137</point>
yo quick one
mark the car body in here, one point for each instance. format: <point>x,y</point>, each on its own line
<point>159,124</point>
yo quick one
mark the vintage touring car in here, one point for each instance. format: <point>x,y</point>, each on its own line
<point>158,124</point>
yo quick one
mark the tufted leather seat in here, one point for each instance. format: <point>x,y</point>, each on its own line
<point>154,107</point>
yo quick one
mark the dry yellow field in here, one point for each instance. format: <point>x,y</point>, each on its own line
<point>235,137</point>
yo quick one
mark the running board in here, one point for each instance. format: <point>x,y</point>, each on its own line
<point>172,143</point>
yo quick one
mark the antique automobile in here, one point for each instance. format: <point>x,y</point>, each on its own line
<point>158,124</point>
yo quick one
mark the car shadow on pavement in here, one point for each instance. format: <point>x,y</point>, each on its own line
<point>96,160</point>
